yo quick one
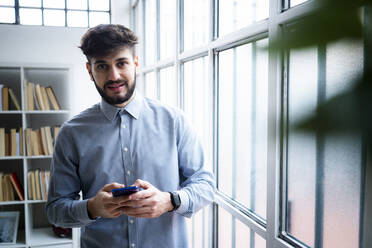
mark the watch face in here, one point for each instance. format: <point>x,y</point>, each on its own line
<point>176,200</point>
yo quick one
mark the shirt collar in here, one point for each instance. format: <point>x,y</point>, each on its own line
<point>133,108</point>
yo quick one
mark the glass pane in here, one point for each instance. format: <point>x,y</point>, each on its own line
<point>168,87</point>
<point>7,3</point>
<point>167,28</point>
<point>30,16</point>
<point>77,18</point>
<point>7,15</point>
<point>324,171</point>
<point>296,2</point>
<point>99,5</point>
<point>56,4</point>
<point>200,228</point>
<point>198,102</point>
<point>151,88</point>
<point>54,17</point>
<point>196,23</point>
<point>77,4</point>
<point>235,234</point>
<point>30,3</point>
<point>243,87</point>
<point>150,32</point>
<point>96,18</point>
<point>236,14</point>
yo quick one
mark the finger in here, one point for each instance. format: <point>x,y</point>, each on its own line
<point>109,187</point>
<point>142,194</point>
<point>143,184</point>
<point>120,199</point>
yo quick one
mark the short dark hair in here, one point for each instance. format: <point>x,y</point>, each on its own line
<point>104,39</point>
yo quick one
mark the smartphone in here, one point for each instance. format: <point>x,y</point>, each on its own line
<point>125,191</point>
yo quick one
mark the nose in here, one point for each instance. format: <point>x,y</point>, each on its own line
<point>114,74</point>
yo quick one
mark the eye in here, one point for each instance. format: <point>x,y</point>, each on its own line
<point>101,67</point>
<point>122,64</point>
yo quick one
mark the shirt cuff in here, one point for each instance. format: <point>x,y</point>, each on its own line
<point>81,210</point>
<point>184,207</point>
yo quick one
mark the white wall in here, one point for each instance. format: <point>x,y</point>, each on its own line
<point>57,45</point>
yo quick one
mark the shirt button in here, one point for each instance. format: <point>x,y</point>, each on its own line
<point>128,172</point>
<point>133,245</point>
<point>124,126</point>
<point>131,221</point>
<point>125,149</point>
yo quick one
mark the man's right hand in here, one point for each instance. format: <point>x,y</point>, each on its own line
<point>103,204</point>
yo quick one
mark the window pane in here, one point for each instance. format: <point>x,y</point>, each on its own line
<point>99,5</point>
<point>235,234</point>
<point>30,3</point>
<point>7,15</point>
<point>30,16</point>
<point>296,2</point>
<point>7,3</point>
<point>150,29</point>
<point>324,171</point>
<point>200,228</point>
<point>198,102</point>
<point>151,88</point>
<point>167,28</point>
<point>196,23</point>
<point>77,4</point>
<point>54,17</point>
<point>242,140</point>
<point>168,87</point>
<point>56,4</point>
<point>236,14</point>
<point>96,18</point>
<point>77,18</point>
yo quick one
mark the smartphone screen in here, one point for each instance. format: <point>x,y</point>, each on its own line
<point>125,191</point>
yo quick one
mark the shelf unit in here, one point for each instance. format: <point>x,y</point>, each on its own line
<point>34,229</point>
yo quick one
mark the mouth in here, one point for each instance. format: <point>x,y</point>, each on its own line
<point>115,87</point>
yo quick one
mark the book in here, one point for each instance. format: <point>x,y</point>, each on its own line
<point>9,188</point>
<point>7,144</point>
<point>20,141</point>
<point>37,184</point>
<point>52,98</point>
<point>49,139</point>
<point>39,97</point>
<point>55,133</point>
<point>45,98</point>
<point>5,98</point>
<point>28,142</point>
<point>29,185</point>
<point>33,186</point>
<point>44,141</point>
<point>13,142</point>
<point>14,99</point>
<point>30,96</point>
<point>17,186</point>
<point>2,142</point>
<point>35,143</point>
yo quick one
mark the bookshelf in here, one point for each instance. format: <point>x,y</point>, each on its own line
<point>33,227</point>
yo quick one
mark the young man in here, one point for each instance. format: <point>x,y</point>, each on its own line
<point>126,139</point>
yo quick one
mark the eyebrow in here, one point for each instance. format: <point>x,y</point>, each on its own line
<point>104,62</point>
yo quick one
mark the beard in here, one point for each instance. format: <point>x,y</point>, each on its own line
<point>116,99</point>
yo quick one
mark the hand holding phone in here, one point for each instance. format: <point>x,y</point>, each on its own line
<point>125,191</point>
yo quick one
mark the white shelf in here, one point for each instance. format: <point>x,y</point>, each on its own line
<point>46,112</point>
<point>11,157</point>
<point>11,112</point>
<point>3,203</point>
<point>46,236</point>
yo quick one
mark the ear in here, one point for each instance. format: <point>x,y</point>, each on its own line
<point>89,69</point>
<point>136,61</point>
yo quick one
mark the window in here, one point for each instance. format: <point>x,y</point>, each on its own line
<point>277,187</point>
<point>69,13</point>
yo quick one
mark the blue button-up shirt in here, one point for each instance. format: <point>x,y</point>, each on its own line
<point>145,140</point>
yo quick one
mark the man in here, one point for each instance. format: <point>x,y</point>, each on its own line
<point>126,140</point>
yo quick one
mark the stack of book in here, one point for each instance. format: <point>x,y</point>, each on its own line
<point>40,98</point>
<point>11,143</point>
<point>10,188</point>
<point>41,141</point>
<point>6,94</point>
<point>38,184</point>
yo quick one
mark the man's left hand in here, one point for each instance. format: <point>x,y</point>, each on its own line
<point>148,203</point>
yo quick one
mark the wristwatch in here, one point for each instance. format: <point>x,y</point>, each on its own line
<point>176,200</point>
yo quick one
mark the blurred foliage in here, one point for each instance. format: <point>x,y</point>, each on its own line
<point>333,20</point>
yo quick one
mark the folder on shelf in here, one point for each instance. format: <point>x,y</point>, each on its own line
<point>14,99</point>
<point>20,141</point>
<point>30,195</point>
<point>35,143</point>
<point>7,144</point>
<point>44,141</point>
<point>39,97</point>
<point>30,96</point>
<point>13,142</point>
<point>17,186</point>
<point>2,142</point>
<point>52,98</point>
<point>5,94</point>
<point>48,133</point>
<point>45,98</point>
<point>55,133</point>
<point>28,141</point>
<point>37,184</point>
